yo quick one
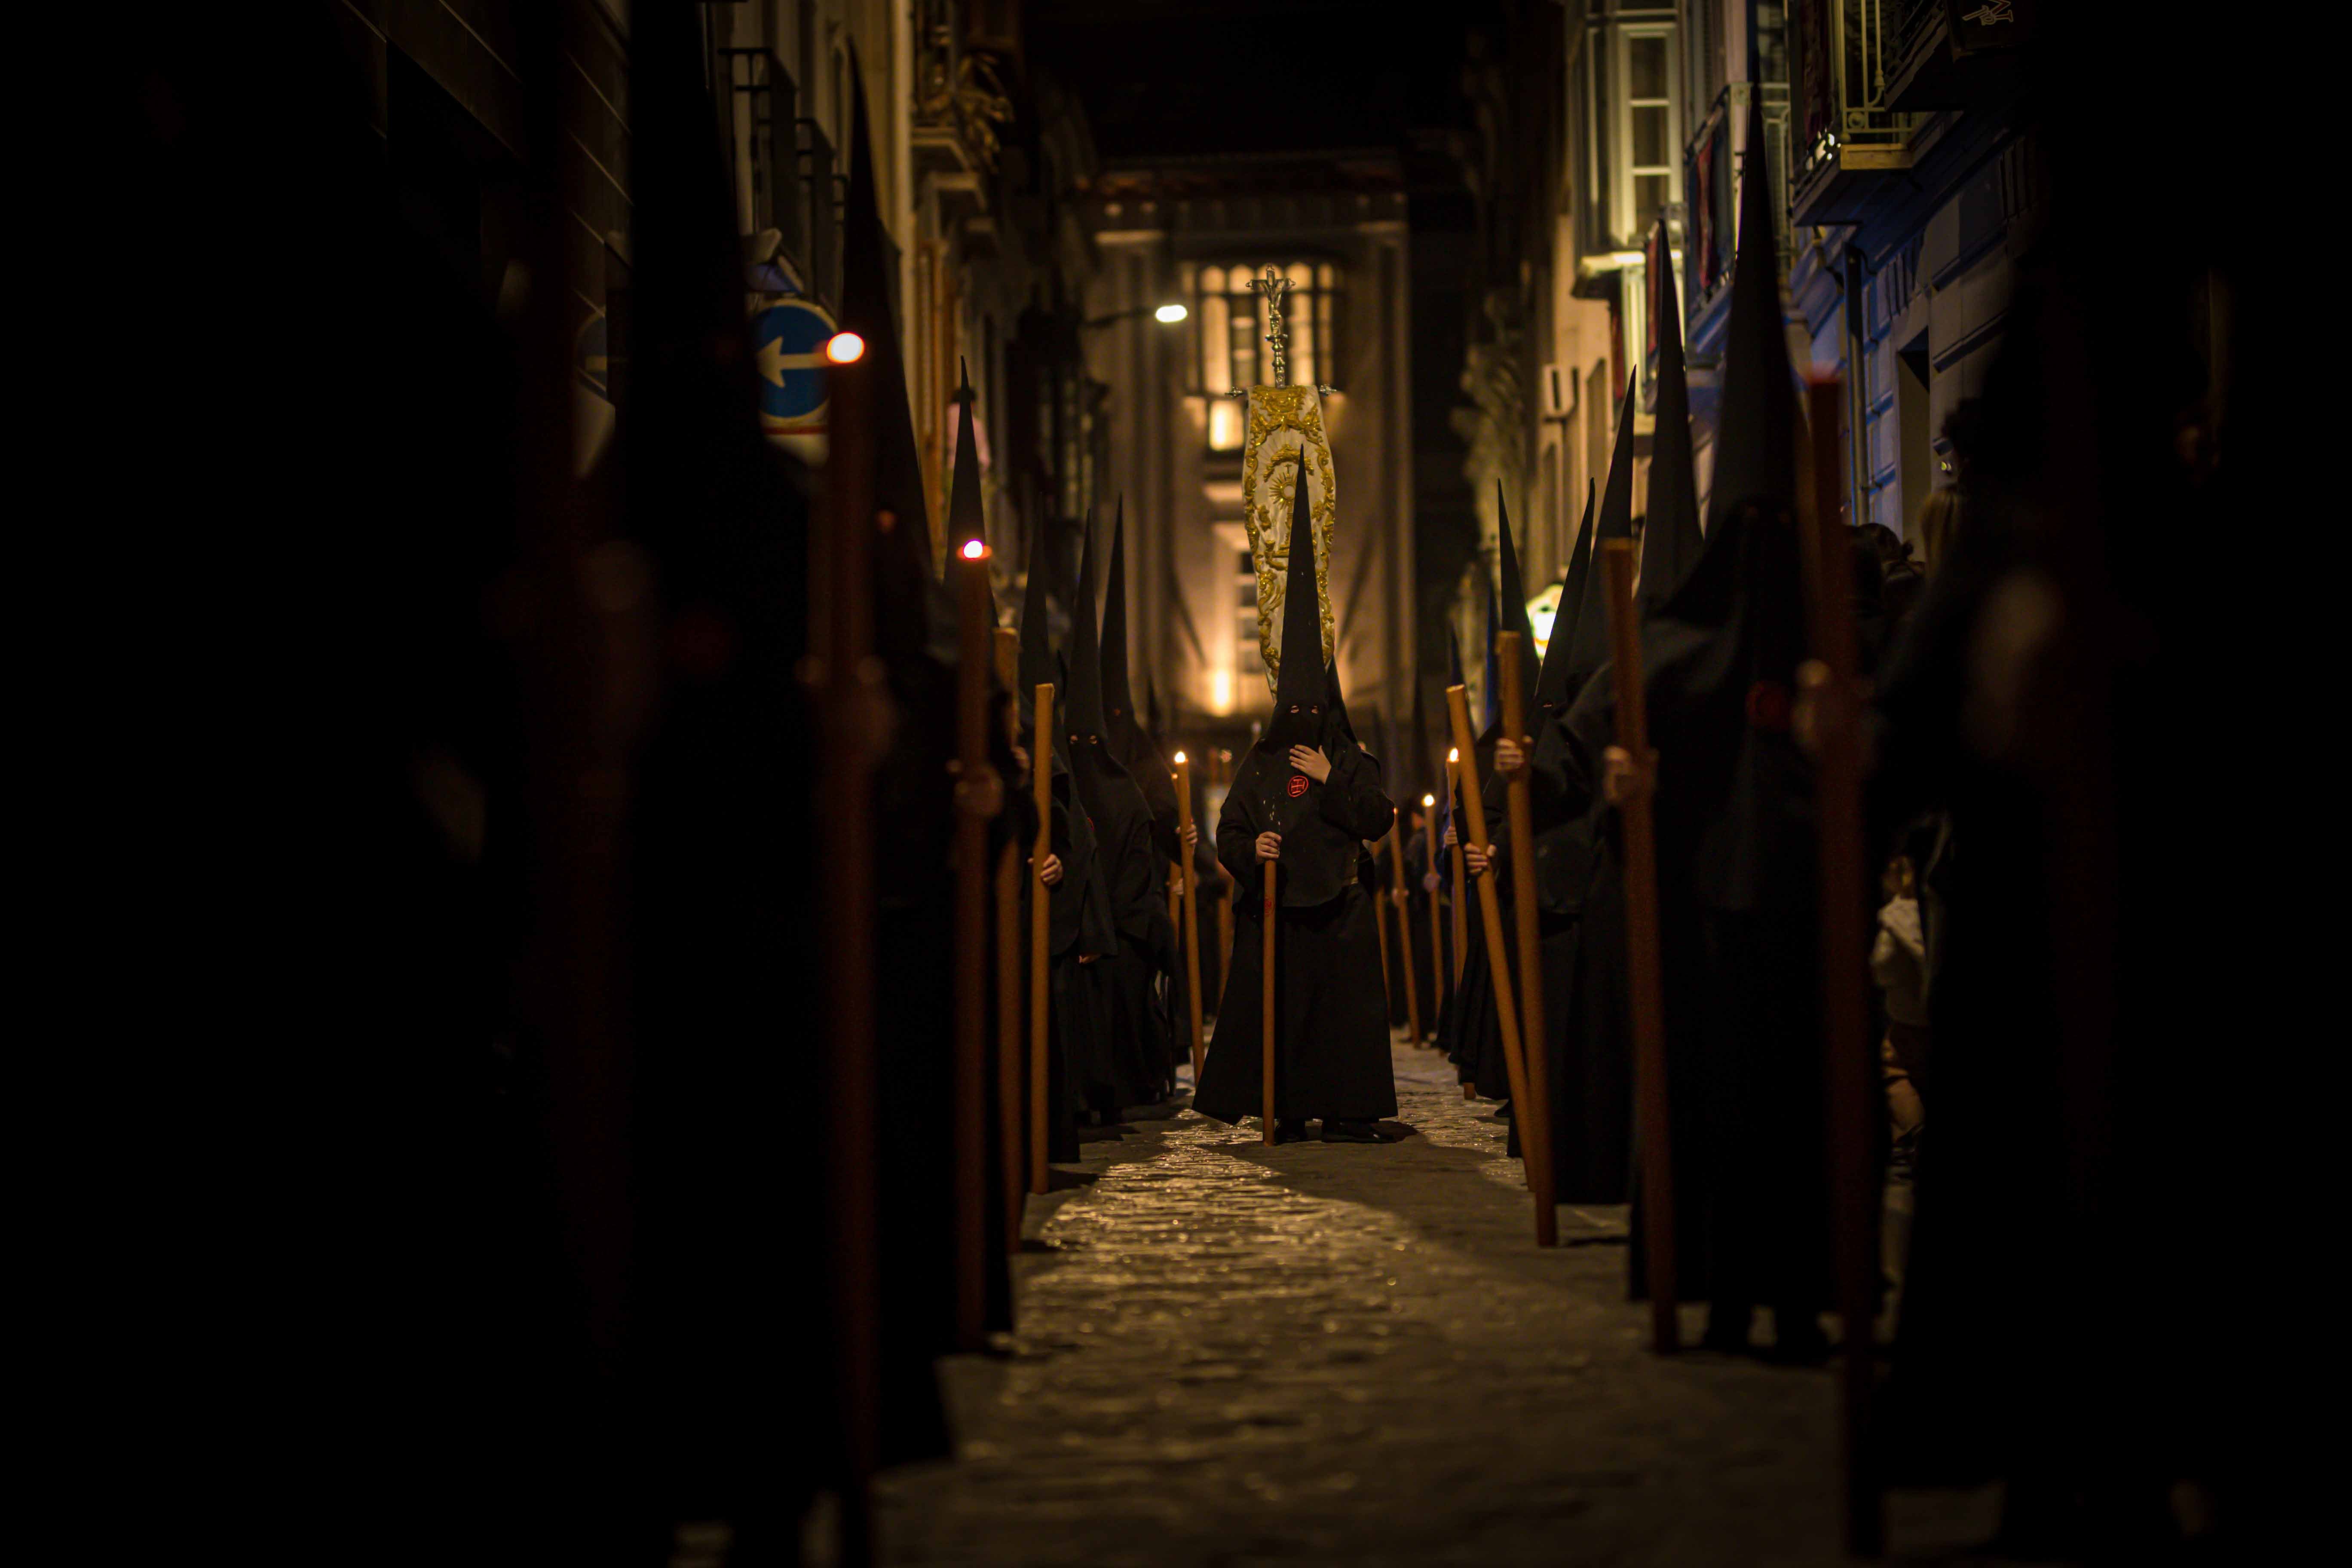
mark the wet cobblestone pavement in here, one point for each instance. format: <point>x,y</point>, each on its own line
<point>1231,1354</point>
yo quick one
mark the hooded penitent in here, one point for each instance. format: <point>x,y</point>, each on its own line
<point>1514,598</point>
<point>1552,688</point>
<point>1128,740</point>
<point>1735,846</point>
<point>1331,1033</point>
<point>1320,866</point>
<point>1671,543</point>
<point>912,611</point>
<point>965,521</point>
<point>1135,872</point>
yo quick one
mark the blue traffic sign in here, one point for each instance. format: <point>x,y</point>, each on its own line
<point>788,340</point>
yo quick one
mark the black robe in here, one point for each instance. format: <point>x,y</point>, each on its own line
<point>1332,1048</point>
<point>1137,1070</point>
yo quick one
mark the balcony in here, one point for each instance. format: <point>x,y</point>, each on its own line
<point>787,192</point>
<point>1846,137</point>
<point>1953,54</point>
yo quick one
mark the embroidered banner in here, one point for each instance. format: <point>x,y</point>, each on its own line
<point>1285,428</point>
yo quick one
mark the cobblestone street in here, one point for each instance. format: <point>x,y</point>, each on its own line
<point>1232,1354</point>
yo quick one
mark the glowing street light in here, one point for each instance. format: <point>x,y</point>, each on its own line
<point>845,347</point>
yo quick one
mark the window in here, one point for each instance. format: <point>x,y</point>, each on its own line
<point>1233,351</point>
<point>1652,156</point>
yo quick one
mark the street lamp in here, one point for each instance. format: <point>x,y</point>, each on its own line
<point>1167,315</point>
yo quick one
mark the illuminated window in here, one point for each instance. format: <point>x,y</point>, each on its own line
<point>1654,164</point>
<point>1233,351</point>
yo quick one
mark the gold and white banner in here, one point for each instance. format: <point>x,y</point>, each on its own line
<point>1285,428</point>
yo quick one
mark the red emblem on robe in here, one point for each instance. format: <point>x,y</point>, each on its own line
<point>1297,785</point>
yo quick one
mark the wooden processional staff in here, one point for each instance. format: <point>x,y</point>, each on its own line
<point>1831,678</point>
<point>1460,929</point>
<point>1646,994</point>
<point>1490,914</point>
<point>1191,914</point>
<point>975,779</point>
<point>1441,980</point>
<point>1232,891</point>
<point>1041,781</point>
<point>1404,928</point>
<point>1009,1052</point>
<point>1265,1003</point>
<point>1534,1112</point>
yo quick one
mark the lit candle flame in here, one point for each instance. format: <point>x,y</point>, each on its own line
<point>1180,756</point>
<point>1429,800</point>
<point>845,347</point>
<point>973,549</point>
<point>1453,755</point>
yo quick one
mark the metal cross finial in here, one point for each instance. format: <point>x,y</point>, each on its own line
<point>1274,285</point>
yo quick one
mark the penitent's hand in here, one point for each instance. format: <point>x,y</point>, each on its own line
<point>1508,757</point>
<point>1622,778</point>
<point>1050,873</point>
<point>1311,763</point>
<point>1191,835</point>
<point>1449,840</point>
<point>1475,858</point>
<point>1021,763</point>
<point>1269,846</point>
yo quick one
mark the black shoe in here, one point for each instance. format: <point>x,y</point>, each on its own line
<point>1798,1341</point>
<point>1351,1132</point>
<point>1290,1130</point>
<point>1727,1330</point>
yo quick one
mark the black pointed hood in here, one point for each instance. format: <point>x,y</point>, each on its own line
<point>1591,650</point>
<point>1552,689</point>
<point>965,523</point>
<point>1127,740</point>
<point>1300,684</point>
<point>1119,699</point>
<point>1085,710</point>
<point>1756,423</point>
<point>912,613</point>
<point>1672,541</point>
<point>1036,667</point>
<point>1514,591</point>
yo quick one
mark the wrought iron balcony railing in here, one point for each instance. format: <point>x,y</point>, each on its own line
<point>1844,125</point>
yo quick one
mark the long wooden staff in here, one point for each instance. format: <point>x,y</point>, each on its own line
<point>1534,1113</point>
<point>1009,1053</point>
<point>1388,983</point>
<point>1265,1003</point>
<point>1498,955</point>
<point>1441,978</point>
<point>1041,898</point>
<point>1461,928</point>
<point>849,723</point>
<point>974,779</point>
<point>1225,904</point>
<point>1643,975</point>
<point>1830,677</point>
<point>1404,930</point>
<point>1192,916</point>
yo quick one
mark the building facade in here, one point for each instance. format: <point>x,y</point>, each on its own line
<point>974,159</point>
<point>1905,190</point>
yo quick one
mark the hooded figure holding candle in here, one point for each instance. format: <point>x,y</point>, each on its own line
<point>1306,798</point>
